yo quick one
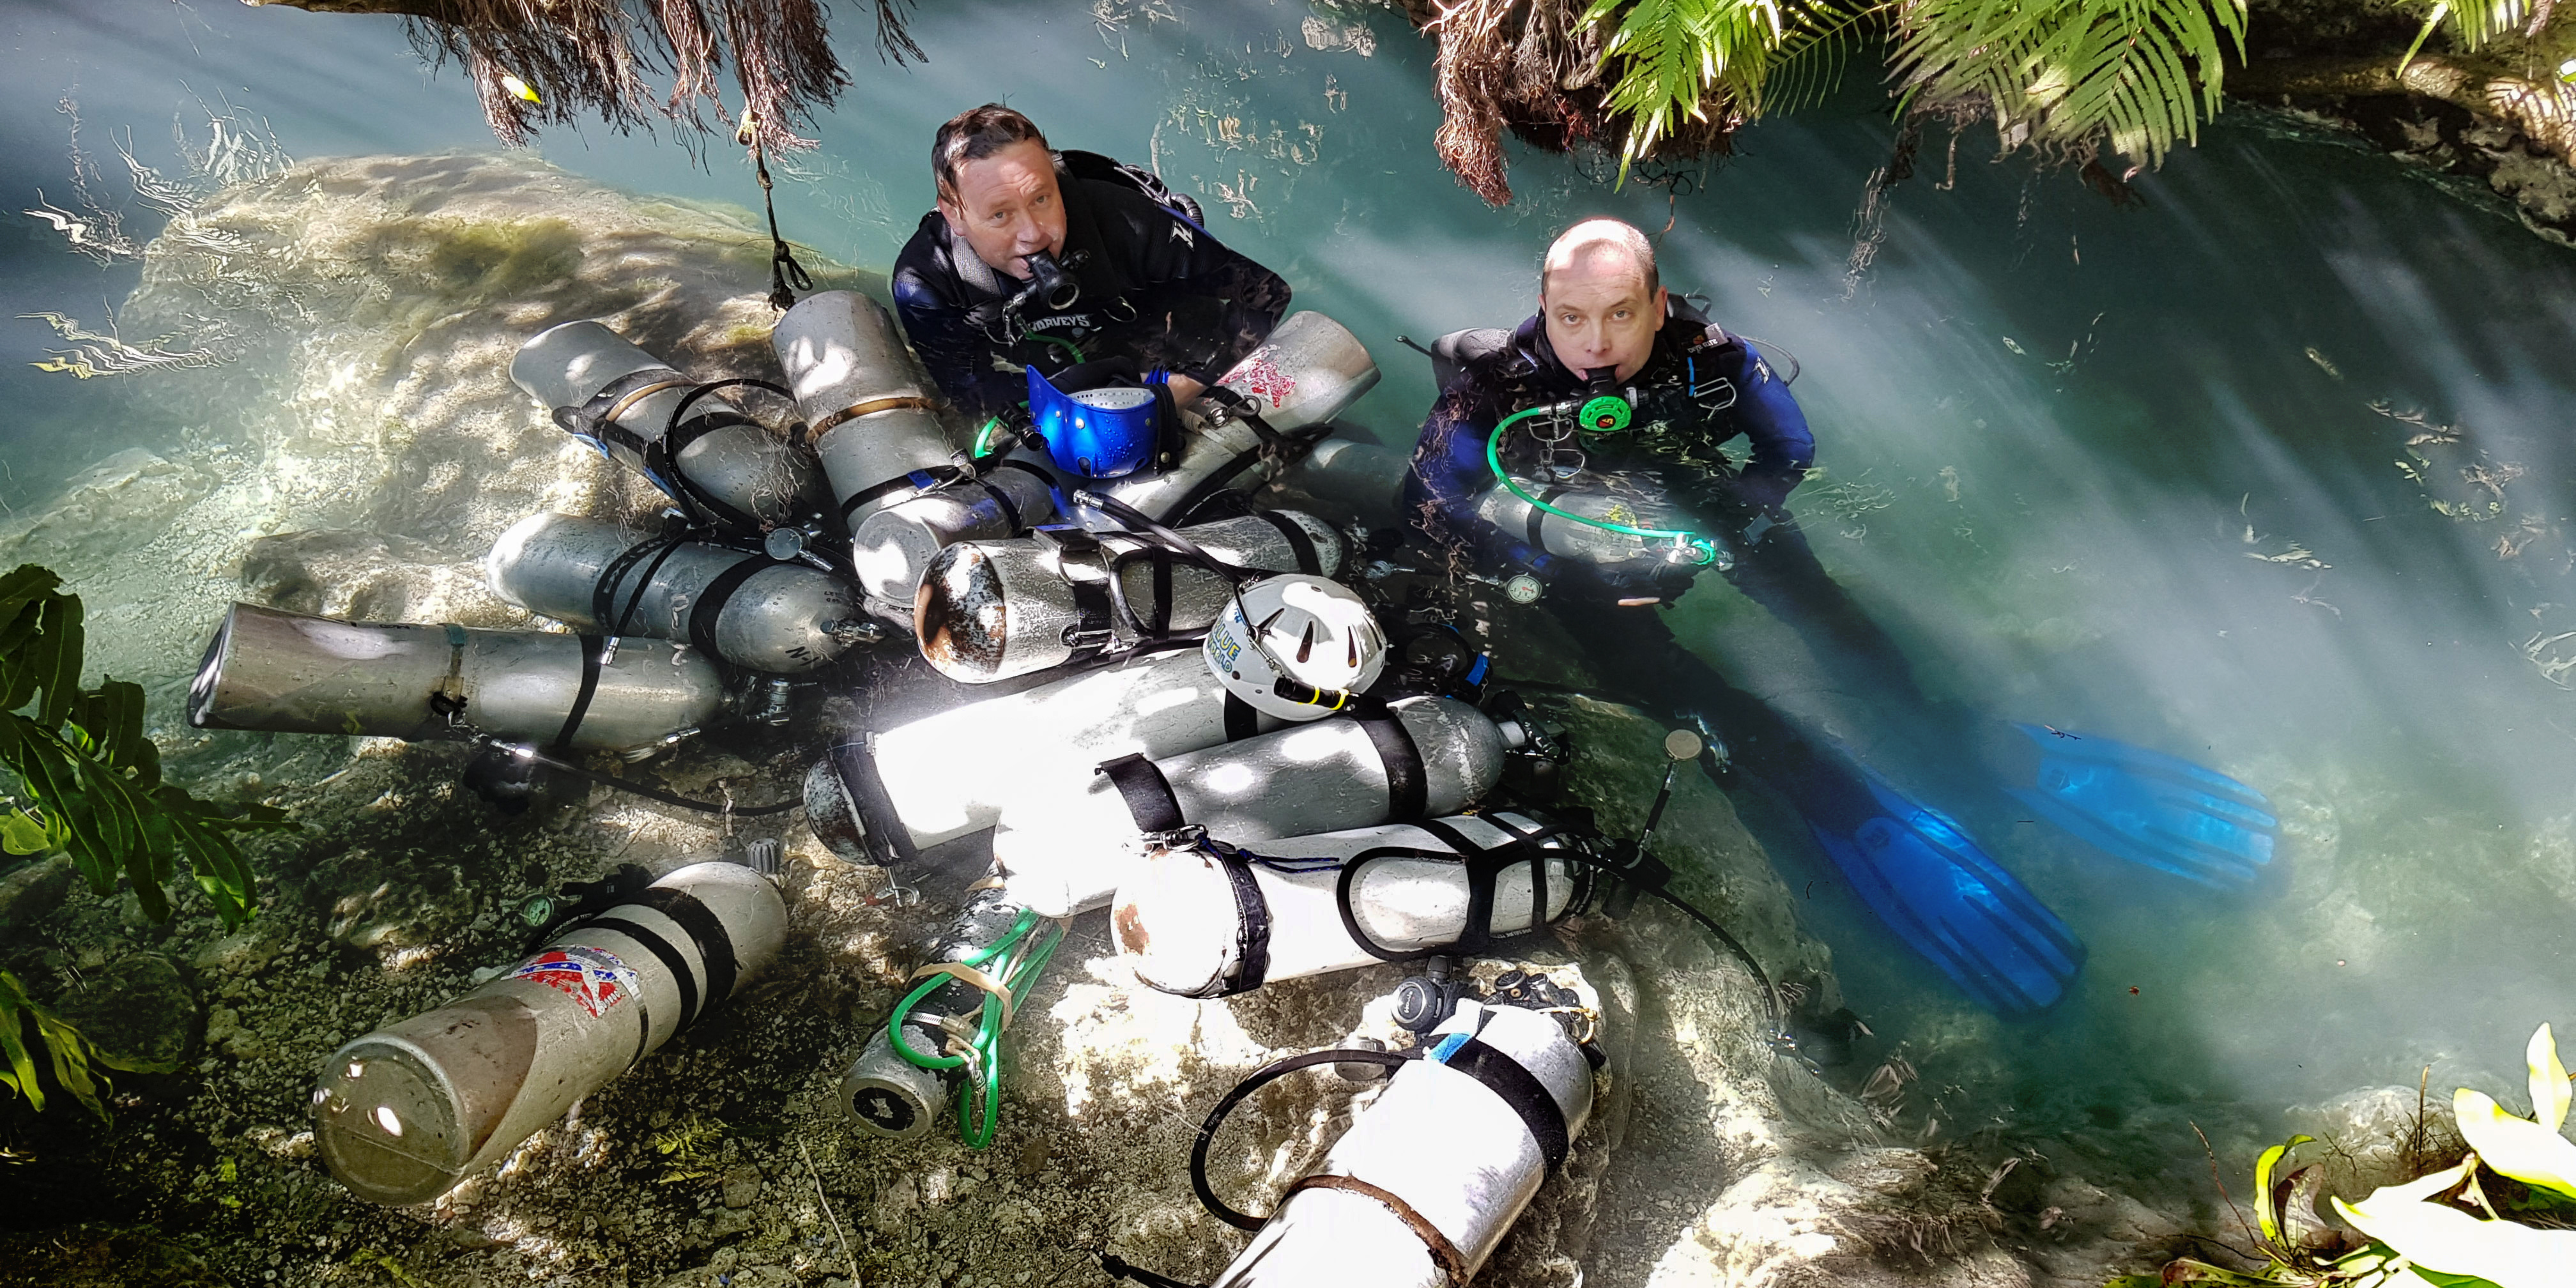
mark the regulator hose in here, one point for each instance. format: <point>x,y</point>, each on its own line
<point>981,1054</point>
<point>1701,551</point>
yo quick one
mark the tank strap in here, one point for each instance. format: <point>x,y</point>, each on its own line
<point>594,657</point>
<point>1147,794</point>
<point>1482,865</point>
<point>855,759</point>
<point>1444,1254</point>
<point>1093,581</point>
<point>1300,544</point>
<point>1002,499</point>
<point>917,480</point>
<point>1242,719</point>
<point>1251,923</point>
<point>1407,788</point>
<point>1516,1087</point>
<point>707,934</point>
<point>671,960</point>
<point>711,602</point>
<point>604,612</point>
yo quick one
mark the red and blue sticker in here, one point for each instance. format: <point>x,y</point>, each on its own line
<point>591,976</point>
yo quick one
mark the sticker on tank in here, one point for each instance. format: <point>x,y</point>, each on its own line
<point>591,976</point>
<point>1261,378</point>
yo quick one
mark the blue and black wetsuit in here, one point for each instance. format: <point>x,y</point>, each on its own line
<point>1156,289</point>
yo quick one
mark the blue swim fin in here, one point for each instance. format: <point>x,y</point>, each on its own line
<point>1930,883</point>
<point>2145,806</point>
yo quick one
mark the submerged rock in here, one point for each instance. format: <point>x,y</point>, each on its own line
<point>139,1011</point>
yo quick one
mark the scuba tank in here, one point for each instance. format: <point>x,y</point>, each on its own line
<point>950,773</point>
<point>1257,415</point>
<point>749,609</point>
<point>890,548</point>
<point>897,1093</point>
<point>990,610</point>
<point>404,1113</point>
<point>1206,919</point>
<point>874,415</point>
<point>278,672</point>
<point>1420,1191</point>
<point>717,463</point>
<point>1593,497</point>
<point>1065,846</point>
<point>1349,474</point>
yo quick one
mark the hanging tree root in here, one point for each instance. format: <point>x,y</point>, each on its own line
<point>593,56</point>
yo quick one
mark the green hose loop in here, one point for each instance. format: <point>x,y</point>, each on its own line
<point>1701,550</point>
<point>983,1057</point>
<point>984,437</point>
<point>1069,346</point>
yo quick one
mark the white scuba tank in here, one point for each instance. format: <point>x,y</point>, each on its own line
<point>723,456</point>
<point>1310,370</point>
<point>1592,496</point>
<point>991,610</point>
<point>743,606</point>
<point>871,412</point>
<point>951,773</point>
<point>1188,925</point>
<point>404,1113</point>
<point>1065,849</point>
<point>1462,1142</point>
<point>279,672</point>
<point>890,548</point>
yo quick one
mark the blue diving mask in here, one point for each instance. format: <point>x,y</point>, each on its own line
<point>1101,433</point>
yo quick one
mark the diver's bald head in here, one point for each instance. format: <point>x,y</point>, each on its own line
<point>1600,249</point>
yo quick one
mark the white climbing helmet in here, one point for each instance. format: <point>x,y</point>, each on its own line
<point>1312,634</point>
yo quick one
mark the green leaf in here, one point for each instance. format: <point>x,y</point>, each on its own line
<point>2444,1239</point>
<point>2548,1079</point>
<point>2515,1147</point>
<point>20,833</point>
<point>2267,1202</point>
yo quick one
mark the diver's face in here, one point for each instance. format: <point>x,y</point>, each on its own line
<point>1600,314</point>
<point>1006,206</point>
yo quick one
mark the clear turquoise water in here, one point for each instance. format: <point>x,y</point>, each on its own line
<point>2071,450</point>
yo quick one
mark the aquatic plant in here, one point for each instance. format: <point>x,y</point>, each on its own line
<point>92,778</point>
<point>73,1057</point>
<point>2449,1228</point>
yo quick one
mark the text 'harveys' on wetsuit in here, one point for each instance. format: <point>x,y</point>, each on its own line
<point>1702,388</point>
<point>1156,289</point>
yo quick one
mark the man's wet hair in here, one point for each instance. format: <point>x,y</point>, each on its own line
<point>974,134</point>
<point>1602,230</point>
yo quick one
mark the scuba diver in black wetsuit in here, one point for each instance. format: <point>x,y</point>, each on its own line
<point>1049,260</point>
<point>1580,457</point>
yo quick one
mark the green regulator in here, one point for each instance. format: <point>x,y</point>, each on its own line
<point>1604,409</point>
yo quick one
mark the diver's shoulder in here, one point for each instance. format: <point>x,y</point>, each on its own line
<point>923,273</point>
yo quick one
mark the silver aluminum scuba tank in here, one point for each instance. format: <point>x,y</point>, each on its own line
<point>885,1094</point>
<point>278,672</point>
<point>1348,472</point>
<point>1594,497</point>
<point>1067,848</point>
<point>402,1114</point>
<point>744,607</point>
<point>1310,370</point>
<point>873,414</point>
<point>952,772</point>
<point>890,548</point>
<point>1203,920</point>
<point>724,462</point>
<point>990,610</point>
<point>1420,1191</point>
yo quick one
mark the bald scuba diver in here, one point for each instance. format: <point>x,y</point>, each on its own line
<point>1579,459</point>
<point>1051,260</point>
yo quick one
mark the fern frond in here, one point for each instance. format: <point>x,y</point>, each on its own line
<point>2141,74</point>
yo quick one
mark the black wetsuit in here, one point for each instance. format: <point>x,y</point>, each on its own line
<point>1156,288</point>
<point>1703,388</point>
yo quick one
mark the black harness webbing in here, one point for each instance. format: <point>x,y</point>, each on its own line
<point>917,480</point>
<point>1242,719</point>
<point>1407,787</point>
<point>1251,926</point>
<point>712,599</point>
<point>669,955</point>
<point>1482,866</point>
<point>1092,579</point>
<point>706,933</point>
<point>856,760</point>
<point>591,663</point>
<point>1522,1091</point>
<point>604,611</point>
<point>1300,543</point>
<point>1147,794</point>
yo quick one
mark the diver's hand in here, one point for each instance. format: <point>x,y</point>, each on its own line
<point>1185,390</point>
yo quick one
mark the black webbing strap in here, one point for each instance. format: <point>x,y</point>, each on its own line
<point>1519,1089</point>
<point>917,480</point>
<point>1242,719</point>
<point>669,955</point>
<point>707,934</point>
<point>1092,579</point>
<point>856,760</point>
<point>1481,864</point>
<point>662,458</point>
<point>1538,517</point>
<point>1148,795</point>
<point>1001,501</point>
<point>604,612</point>
<point>712,599</point>
<point>1407,787</point>
<point>1251,926</point>
<point>597,418</point>
<point>1300,543</point>
<point>591,662</point>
